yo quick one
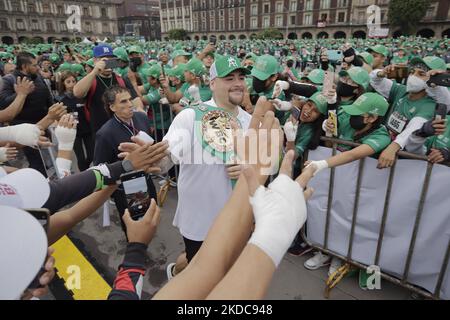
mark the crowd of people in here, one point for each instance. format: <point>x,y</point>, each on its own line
<point>111,109</point>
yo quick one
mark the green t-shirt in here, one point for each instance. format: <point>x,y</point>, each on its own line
<point>123,72</point>
<point>378,139</point>
<point>397,60</point>
<point>441,141</point>
<point>402,109</point>
<point>304,134</point>
<point>205,92</point>
<point>161,114</point>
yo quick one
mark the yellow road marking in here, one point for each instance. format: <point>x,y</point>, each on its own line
<point>68,261</point>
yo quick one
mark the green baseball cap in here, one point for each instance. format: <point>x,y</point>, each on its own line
<point>196,67</point>
<point>224,65</point>
<point>177,71</point>
<point>90,63</point>
<point>316,76</point>
<point>178,53</point>
<point>358,75</point>
<point>367,57</point>
<point>265,66</point>
<point>320,101</point>
<point>379,49</point>
<point>154,71</point>
<point>65,67</point>
<point>121,53</point>
<point>78,68</point>
<point>372,103</point>
<point>251,56</point>
<point>135,49</point>
<point>432,62</point>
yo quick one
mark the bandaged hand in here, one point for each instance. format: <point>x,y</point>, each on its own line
<point>25,134</point>
<point>279,87</point>
<point>316,165</point>
<point>279,210</point>
<point>194,92</point>
<point>290,130</point>
<point>282,105</point>
<point>66,132</point>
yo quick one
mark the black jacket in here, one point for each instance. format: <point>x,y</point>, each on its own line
<point>36,104</point>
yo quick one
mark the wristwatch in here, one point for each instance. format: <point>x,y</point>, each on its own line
<point>127,165</point>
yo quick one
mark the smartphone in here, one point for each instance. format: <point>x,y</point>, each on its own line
<point>295,112</point>
<point>332,116</point>
<point>441,111</point>
<point>42,215</point>
<point>136,193</point>
<point>163,72</point>
<point>48,156</point>
<point>442,79</point>
<point>213,40</point>
<point>112,64</point>
<point>328,82</point>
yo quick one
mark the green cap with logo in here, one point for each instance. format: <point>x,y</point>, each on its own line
<point>432,62</point>
<point>121,53</point>
<point>316,76</point>
<point>224,65</point>
<point>379,49</point>
<point>359,75</point>
<point>135,49</point>
<point>178,53</point>
<point>196,67</point>
<point>177,71</point>
<point>320,101</point>
<point>265,66</point>
<point>153,71</point>
<point>54,58</point>
<point>367,57</point>
<point>371,103</point>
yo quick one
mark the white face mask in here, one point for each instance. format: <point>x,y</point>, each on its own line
<point>415,84</point>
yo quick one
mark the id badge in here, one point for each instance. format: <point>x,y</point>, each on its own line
<point>397,122</point>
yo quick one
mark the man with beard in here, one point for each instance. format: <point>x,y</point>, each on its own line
<point>206,173</point>
<point>36,104</point>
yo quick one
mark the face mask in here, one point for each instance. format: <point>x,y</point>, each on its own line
<point>415,84</point>
<point>290,64</point>
<point>357,122</point>
<point>258,85</point>
<point>344,90</point>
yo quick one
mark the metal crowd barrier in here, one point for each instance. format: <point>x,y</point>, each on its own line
<point>403,282</point>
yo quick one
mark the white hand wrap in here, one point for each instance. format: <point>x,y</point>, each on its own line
<point>331,100</point>
<point>63,166</point>
<point>290,130</point>
<point>25,134</point>
<point>284,85</point>
<point>280,212</point>
<point>282,105</point>
<point>319,165</point>
<point>194,91</point>
<point>66,138</point>
<point>3,157</point>
<point>164,101</point>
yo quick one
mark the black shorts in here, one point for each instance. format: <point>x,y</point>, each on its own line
<point>191,248</point>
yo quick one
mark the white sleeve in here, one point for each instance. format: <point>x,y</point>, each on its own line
<point>415,124</point>
<point>381,85</point>
<point>440,95</point>
<point>416,144</point>
<point>180,135</point>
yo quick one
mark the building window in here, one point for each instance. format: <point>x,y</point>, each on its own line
<point>60,10</point>
<point>279,21</point>
<point>86,12</point>
<point>324,4</point>
<point>88,27</point>
<point>324,17</point>
<point>361,16</point>
<point>34,25</point>
<point>31,8</point>
<point>341,17</point>
<point>105,28</point>
<point>241,23</point>
<point>231,24</point>
<point>15,6</point>
<point>20,24</point>
<point>279,7</point>
<point>266,22</point>
<point>308,5</point>
<point>4,25</point>
<point>254,9</point>
<point>254,23</point>
<point>242,11</point>
<point>62,26</point>
<point>342,3</point>
<point>292,20</point>
<point>266,8</point>
<point>49,26</point>
<point>293,5</point>
<point>308,19</point>
<point>103,13</point>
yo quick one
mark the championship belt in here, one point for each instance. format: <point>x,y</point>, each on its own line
<point>214,128</point>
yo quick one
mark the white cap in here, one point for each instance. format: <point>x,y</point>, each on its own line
<point>24,188</point>
<point>23,248</point>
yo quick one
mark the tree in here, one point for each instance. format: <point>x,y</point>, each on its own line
<point>177,34</point>
<point>407,14</point>
<point>270,33</point>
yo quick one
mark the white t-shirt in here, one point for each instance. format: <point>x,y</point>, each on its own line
<point>203,184</point>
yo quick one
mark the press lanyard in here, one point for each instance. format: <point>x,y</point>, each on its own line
<point>133,132</point>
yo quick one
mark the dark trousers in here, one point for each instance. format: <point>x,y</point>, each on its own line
<point>84,159</point>
<point>34,159</point>
<point>121,201</point>
<point>191,248</point>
